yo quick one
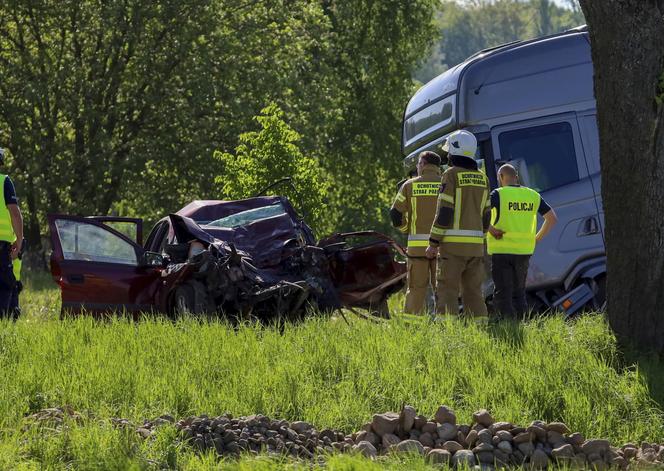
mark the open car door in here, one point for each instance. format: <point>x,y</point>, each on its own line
<point>131,227</point>
<point>100,270</point>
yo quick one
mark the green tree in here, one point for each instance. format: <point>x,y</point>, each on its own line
<point>466,27</point>
<point>272,153</point>
<point>83,83</point>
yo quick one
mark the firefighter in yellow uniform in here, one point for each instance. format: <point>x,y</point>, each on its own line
<point>413,212</point>
<point>458,232</point>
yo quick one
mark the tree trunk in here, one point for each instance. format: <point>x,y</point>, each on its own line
<point>627,38</point>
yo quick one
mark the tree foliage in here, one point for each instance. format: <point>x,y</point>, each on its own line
<point>467,27</point>
<point>268,155</point>
<point>118,106</point>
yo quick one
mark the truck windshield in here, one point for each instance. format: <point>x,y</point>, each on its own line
<point>245,217</point>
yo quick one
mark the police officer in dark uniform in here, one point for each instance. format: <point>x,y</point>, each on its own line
<point>11,239</point>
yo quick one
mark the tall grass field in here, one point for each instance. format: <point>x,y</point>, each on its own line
<point>324,371</point>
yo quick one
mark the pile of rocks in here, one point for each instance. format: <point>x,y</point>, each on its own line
<point>257,433</point>
<point>488,443</point>
<point>484,443</point>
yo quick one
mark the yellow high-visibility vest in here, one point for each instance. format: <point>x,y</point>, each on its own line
<point>6,229</point>
<point>517,218</point>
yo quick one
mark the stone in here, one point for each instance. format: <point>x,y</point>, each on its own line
<point>526,448</point>
<point>407,418</point>
<point>517,430</point>
<point>630,452</point>
<point>143,432</point>
<point>429,427</point>
<point>563,452</point>
<point>383,424</point>
<point>558,427</point>
<point>485,436</point>
<point>518,458</point>
<point>390,439</point>
<point>620,463</point>
<point>439,457</point>
<point>505,447</point>
<point>420,420</point>
<point>539,460</point>
<point>538,432</point>
<point>648,455</point>
<point>576,438</point>
<point>504,436</point>
<point>556,439</point>
<point>485,457</point>
<point>471,438</point>
<point>497,426</point>
<point>463,458</point>
<point>426,439</point>
<point>358,437</point>
<point>482,417</point>
<point>372,438</point>
<point>300,426</point>
<point>483,447</point>
<point>502,458</point>
<point>452,446</point>
<point>596,445</point>
<point>445,415</point>
<point>447,431</point>
<point>414,434</point>
<point>410,446</point>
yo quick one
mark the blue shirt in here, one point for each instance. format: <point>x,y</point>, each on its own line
<point>10,192</point>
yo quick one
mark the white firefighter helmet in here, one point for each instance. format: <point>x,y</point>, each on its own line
<point>461,143</point>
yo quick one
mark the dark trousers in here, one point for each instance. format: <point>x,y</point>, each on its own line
<point>509,278</point>
<point>7,280</point>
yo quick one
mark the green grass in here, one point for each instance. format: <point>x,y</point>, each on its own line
<point>323,371</point>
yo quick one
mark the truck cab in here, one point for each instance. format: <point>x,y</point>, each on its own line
<point>531,104</point>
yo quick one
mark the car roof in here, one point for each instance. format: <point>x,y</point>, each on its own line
<point>203,211</point>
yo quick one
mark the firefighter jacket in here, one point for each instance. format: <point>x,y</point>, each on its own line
<point>414,209</point>
<point>463,210</point>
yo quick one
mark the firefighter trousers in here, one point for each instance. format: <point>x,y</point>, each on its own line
<point>467,273</point>
<point>421,274</point>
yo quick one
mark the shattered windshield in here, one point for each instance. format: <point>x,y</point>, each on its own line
<point>248,216</point>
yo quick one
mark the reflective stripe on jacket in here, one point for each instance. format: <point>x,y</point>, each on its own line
<point>416,200</point>
<point>518,221</point>
<point>462,214</point>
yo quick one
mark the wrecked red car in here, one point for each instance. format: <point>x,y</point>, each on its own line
<point>247,259</point>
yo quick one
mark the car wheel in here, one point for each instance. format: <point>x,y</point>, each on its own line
<point>184,301</point>
<point>380,309</point>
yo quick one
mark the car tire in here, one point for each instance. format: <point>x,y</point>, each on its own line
<point>184,300</point>
<point>380,309</point>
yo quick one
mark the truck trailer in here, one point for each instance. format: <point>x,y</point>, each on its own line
<point>531,104</point>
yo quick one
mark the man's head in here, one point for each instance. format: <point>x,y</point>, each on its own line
<point>507,175</point>
<point>427,158</point>
<point>462,143</point>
